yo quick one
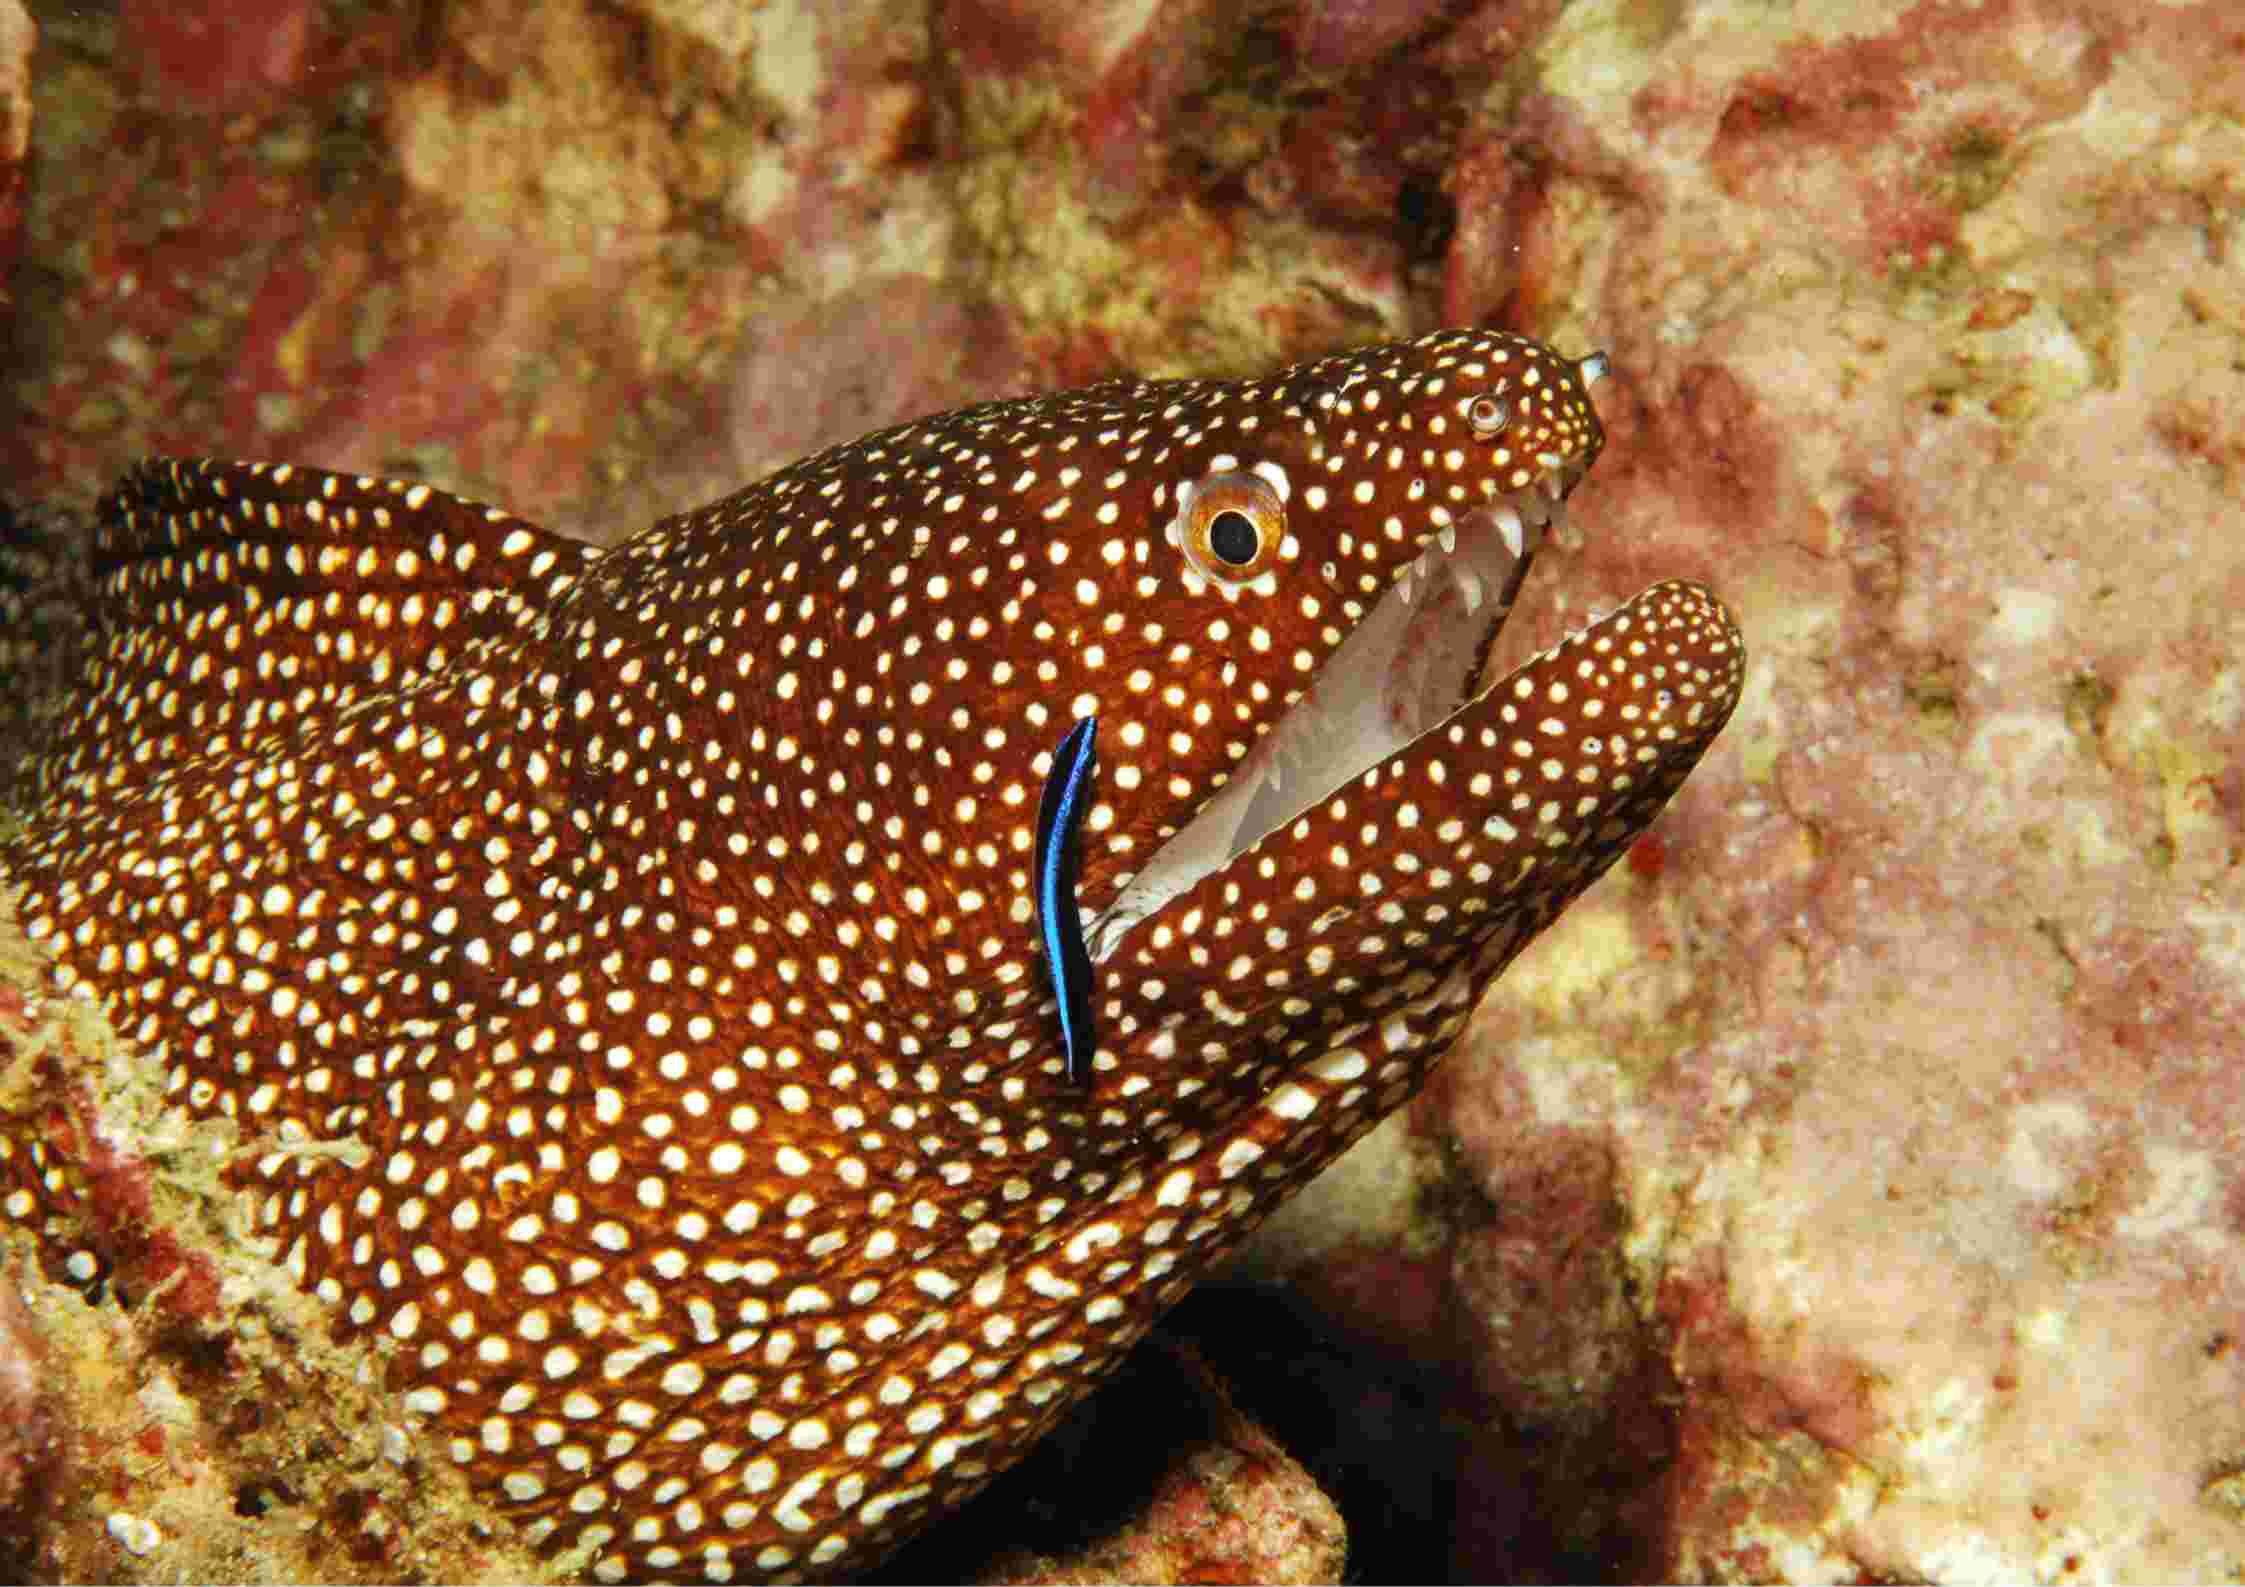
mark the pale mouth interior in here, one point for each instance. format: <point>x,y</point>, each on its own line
<point>1410,665</point>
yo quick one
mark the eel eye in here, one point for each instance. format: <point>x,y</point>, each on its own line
<point>1233,537</point>
<point>1231,526</point>
<point>1487,416</point>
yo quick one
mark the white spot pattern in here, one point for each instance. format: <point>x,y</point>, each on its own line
<point>620,960</point>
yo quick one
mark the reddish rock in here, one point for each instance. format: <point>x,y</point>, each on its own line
<point>171,1407</point>
<point>1914,1056</point>
<point>31,1430</point>
<point>215,58</point>
<point>1872,1135</point>
<point>1230,1503</point>
<point>1334,35</point>
<point>908,346</point>
<point>17,38</point>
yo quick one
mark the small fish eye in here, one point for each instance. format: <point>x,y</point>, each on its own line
<point>1230,526</point>
<point>1487,415</point>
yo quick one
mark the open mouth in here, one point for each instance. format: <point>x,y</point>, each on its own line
<point>1411,664</point>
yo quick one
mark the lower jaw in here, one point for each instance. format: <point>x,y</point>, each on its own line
<point>1410,664</point>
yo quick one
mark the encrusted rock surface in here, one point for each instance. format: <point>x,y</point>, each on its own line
<point>180,1414</point>
<point>1848,1187</point>
<point>1884,1116</point>
<point>17,36</point>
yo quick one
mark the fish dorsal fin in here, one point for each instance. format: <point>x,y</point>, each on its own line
<point>235,598</point>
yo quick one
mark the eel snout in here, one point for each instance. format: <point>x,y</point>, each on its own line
<point>1412,662</point>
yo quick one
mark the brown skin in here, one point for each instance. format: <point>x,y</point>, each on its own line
<point>660,920</point>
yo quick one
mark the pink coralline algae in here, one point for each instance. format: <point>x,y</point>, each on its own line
<point>1855,1191</point>
<point>214,58</point>
<point>1848,1187</point>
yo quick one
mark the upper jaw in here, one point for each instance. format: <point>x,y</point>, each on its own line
<point>1411,662</point>
<point>1448,855</point>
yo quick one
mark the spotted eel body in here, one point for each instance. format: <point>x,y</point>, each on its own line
<point>659,921</point>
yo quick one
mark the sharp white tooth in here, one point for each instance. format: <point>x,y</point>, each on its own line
<point>1448,540</point>
<point>1515,537</point>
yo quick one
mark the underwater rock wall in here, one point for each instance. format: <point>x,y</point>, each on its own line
<point>1848,1186</point>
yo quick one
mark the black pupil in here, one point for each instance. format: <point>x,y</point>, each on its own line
<point>1232,537</point>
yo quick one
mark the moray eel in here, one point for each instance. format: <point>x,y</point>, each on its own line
<point>657,921</point>
<point>1055,867</point>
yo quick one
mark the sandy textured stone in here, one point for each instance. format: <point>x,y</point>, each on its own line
<point>1897,1084</point>
<point>17,38</point>
<point>1848,1186</point>
<point>181,1415</point>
